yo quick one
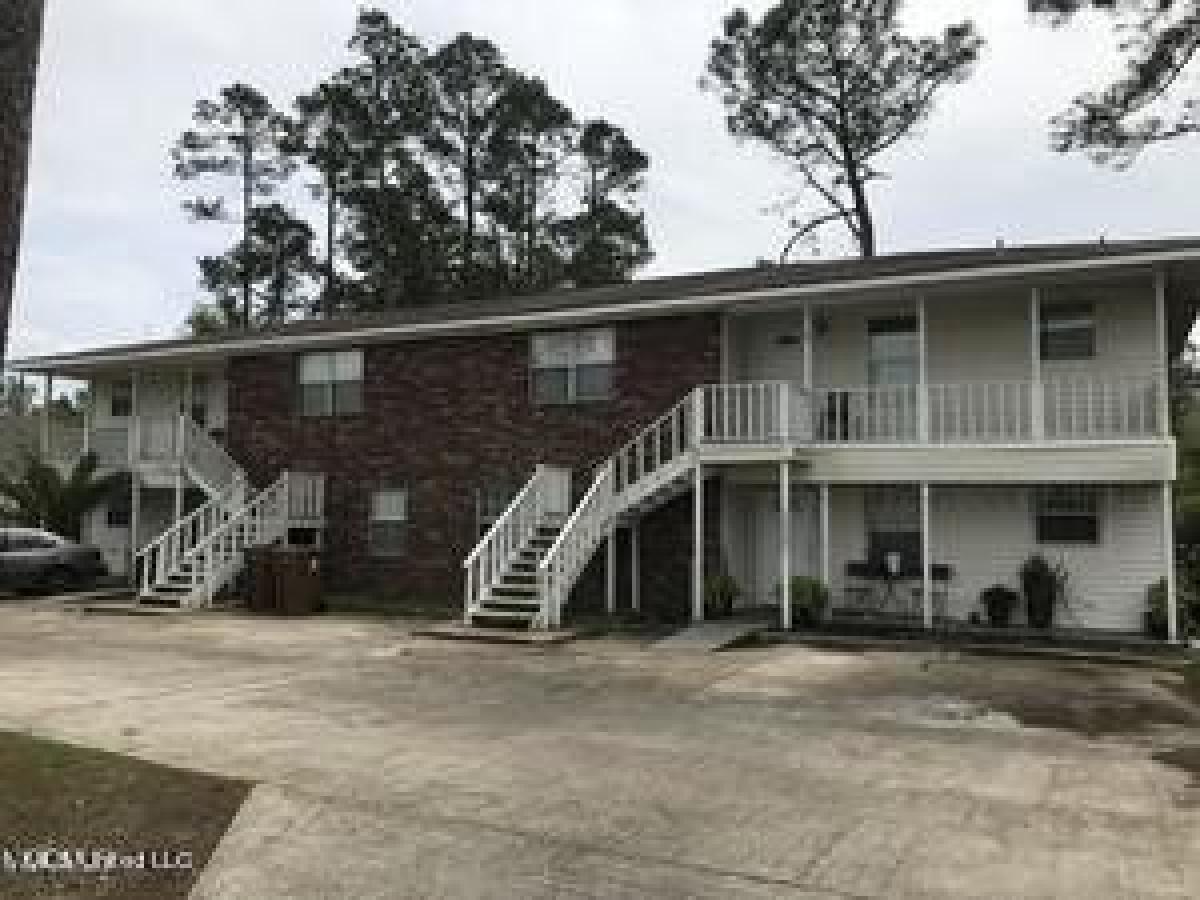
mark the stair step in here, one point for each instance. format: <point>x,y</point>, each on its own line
<point>514,590</point>
<point>503,602</point>
<point>511,615</point>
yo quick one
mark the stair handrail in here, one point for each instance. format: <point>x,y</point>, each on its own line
<point>510,532</point>
<point>206,454</point>
<point>263,519</point>
<point>666,440</point>
<point>169,549</point>
<point>574,545</point>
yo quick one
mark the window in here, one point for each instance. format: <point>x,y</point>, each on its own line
<point>389,522</point>
<point>893,518</point>
<point>893,351</point>
<point>331,383</point>
<point>1068,515</point>
<point>1068,332</point>
<point>572,366</point>
<point>120,399</point>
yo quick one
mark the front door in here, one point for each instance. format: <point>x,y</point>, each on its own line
<point>765,588</point>
<point>893,372</point>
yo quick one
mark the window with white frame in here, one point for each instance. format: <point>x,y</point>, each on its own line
<point>331,383</point>
<point>1067,514</point>
<point>1068,331</point>
<point>389,521</point>
<point>572,366</point>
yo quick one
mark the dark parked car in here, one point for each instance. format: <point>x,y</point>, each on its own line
<point>33,560</point>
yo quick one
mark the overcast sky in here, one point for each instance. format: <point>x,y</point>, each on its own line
<point>110,257</point>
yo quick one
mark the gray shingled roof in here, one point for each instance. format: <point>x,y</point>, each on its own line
<point>656,290</point>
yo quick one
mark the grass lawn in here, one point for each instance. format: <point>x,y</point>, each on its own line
<point>58,796</point>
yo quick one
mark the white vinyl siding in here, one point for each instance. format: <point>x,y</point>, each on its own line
<point>330,384</point>
<point>568,367</point>
<point>985,532</point>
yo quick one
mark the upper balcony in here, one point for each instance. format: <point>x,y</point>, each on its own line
<point>967,414</point>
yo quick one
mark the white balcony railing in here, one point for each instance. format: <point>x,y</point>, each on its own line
<point>1060,410</point>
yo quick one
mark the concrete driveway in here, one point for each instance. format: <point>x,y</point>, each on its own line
<point>392,766</point>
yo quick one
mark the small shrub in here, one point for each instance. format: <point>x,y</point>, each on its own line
<point>721,592</point>
<point>1044,587</point>
<point>999,603</point>
<point>809,598</point>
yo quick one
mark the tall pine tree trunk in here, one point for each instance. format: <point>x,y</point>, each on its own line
<point>20,42</point>
<point>328,302</point>
<point>247,205</point>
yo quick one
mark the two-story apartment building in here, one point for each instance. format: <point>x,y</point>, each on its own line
<point>908,429</point>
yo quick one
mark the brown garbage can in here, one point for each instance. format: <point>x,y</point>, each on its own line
<point>297,581</point>
<point>264,586</point>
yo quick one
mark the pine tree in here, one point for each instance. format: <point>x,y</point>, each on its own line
<point>831,85</point>
<point>470,79</point>
<point>240,136</point>
<point>608,240</point>
<point>530,146</point>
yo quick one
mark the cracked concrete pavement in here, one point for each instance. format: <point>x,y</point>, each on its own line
<point>393,766</point>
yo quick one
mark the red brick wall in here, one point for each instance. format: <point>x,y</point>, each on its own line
<point>443,416</point>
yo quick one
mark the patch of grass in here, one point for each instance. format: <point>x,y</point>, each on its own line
<point>54,795</point>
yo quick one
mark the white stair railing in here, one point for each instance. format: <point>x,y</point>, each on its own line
<point>208,461</point>
<point>155,563</point>
<point>566,559</point>
<point>548,493</point>
<point>660,452</point>
<point>264,520</point>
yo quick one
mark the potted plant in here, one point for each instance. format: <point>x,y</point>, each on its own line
<point>809,598</point>
<point>720,594</point>
<point>1043,587</point>
<point>999,603</point>
<point>1155,617</point>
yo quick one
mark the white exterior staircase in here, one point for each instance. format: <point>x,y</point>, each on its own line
<point>524,568</point>
<point>193,560</point>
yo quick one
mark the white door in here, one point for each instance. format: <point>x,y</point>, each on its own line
<point>765,536</point>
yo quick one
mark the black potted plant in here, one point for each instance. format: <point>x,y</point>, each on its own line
<point>809,598</point>
<point>1043,586</point>
<point>720,594</point>
<point>999,603</point>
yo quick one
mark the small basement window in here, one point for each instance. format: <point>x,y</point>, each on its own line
<point>331,383</point>
<point>571,367</point>
<point>1068,332</point>
<point>1068,514</point>
<point>389,522</point>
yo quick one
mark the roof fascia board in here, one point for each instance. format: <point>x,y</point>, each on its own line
<point>579,315</point>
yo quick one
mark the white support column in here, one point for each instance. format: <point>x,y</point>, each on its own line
<point>923,373</point>
<point>785,545</point>
<point>135,420</point>
<point>610,572</point>
<point>826,573</point>
<point>808,347</point>
<point>698,544</point>
<point>1168,536</point>
<point>1163,353</point>
<point>635,565</point>
<point>1037,391</point>
<point>135,521</point>
<point>47,398</point>
<point>926,559</point>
